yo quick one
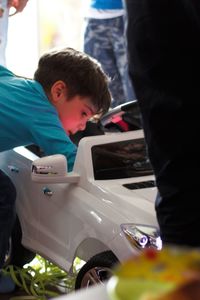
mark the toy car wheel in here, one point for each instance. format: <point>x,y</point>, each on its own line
<point>17,254</point>
<point>96,270</point>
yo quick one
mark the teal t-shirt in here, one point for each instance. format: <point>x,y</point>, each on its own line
<point>28,117</point>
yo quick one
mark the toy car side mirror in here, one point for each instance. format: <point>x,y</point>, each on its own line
<point>52,169</point>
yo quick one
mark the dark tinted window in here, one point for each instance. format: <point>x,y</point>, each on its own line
<point>122,159</point>
<point>36,150</point>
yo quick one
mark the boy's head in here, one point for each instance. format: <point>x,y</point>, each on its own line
<point>75,84</point>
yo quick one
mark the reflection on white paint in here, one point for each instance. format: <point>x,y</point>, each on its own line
<point>26,153</point>
<point>94,214</point>
<point>107,201</point>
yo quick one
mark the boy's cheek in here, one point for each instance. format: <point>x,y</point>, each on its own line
<point>65,125</point>
<point>69,126</point>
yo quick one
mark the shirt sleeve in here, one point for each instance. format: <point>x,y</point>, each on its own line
<point>51,137</point>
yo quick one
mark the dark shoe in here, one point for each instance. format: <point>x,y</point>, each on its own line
<point>7,285</point>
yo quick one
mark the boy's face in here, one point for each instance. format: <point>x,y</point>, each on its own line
<point>74,114</point>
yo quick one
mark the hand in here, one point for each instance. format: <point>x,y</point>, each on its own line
<point>17,4</point>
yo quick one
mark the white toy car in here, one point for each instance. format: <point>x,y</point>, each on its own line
<point>102,212</point>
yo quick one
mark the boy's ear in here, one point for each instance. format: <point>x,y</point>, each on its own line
<point>58,91</point>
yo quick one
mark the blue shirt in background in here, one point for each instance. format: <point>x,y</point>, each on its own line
<point>107,4</point>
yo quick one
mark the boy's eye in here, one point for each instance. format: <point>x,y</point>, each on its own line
<point>84,114</point>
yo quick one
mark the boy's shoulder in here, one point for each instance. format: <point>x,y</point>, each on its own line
<point>5,72</point>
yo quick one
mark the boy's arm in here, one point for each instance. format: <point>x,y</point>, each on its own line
<point>54,140</point>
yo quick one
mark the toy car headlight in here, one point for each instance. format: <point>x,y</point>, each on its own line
<point>142,236</point>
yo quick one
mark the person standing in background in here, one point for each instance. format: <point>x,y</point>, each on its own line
<point>164,46</point>
<point>105,40</point>
<point>5,6</point>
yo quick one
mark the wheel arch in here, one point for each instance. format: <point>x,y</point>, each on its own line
<point>90,247</point>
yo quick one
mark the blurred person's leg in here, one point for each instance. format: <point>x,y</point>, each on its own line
<point>120,49</point>
<point>7,219</point>
<point>3,31</point>
<point>7,213</point>
<point>98,44</point>
<point>164,47</point>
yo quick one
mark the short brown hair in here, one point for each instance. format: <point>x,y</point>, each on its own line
<point>81,73</point>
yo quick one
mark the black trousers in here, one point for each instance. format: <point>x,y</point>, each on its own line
<point>7,213</point>
<point>164,61</point>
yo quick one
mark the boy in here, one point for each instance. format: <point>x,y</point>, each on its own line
<point>68,88</point>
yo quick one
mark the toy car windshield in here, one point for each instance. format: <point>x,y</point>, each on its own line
<point>122,159</point>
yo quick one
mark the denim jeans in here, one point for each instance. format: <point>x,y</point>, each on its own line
<point>7,213</point>
<point>105,40</point>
